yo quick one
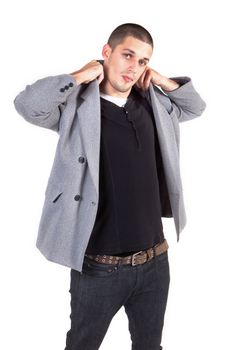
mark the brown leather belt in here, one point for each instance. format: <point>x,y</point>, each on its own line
<point>134,259</point>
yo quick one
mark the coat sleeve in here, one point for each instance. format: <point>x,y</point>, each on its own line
<point>184,103</point>
<point>42,102</point>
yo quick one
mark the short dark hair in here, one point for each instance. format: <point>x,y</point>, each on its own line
<point>129,29</point>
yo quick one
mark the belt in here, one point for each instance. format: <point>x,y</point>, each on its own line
<point>134,259</point>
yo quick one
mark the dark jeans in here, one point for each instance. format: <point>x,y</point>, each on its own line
<point>99,292</point>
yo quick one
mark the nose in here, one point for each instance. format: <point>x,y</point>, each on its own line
<point>133,66</point>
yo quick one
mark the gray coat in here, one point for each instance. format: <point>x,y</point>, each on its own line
<point>72,192</point>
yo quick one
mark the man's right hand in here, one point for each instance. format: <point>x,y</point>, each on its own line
<point>89,72</point>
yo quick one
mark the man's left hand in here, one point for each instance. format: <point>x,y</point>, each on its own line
<point>151,76</point>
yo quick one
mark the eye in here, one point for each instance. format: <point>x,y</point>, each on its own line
<point>127,55</point>
<point>142,62</point>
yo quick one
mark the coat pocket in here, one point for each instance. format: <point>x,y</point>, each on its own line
<point>53,193</point>
<point>56,197</point>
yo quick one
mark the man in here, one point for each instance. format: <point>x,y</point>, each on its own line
<point>115,174</point>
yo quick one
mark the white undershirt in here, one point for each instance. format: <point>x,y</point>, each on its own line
<point>119,101</point>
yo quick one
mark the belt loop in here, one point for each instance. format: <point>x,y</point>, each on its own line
<point>150,253</point>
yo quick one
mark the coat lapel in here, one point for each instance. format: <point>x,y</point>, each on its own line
<point>90,128</point>
<point>167,141</point>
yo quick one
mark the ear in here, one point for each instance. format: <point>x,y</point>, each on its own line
<point>106,51</point>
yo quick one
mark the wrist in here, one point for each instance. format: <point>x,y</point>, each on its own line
<point>78,77</point>
<point>168,84</point>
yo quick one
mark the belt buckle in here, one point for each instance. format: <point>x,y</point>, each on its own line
<point>133,257</point>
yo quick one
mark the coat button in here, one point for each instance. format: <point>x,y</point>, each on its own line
<point>66,87</point>
<point>77,197</point>
<point>81,159</point>
<point>62,89</point>
<point>71,84</point>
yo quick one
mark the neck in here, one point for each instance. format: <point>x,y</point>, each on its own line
<point>107,89</point>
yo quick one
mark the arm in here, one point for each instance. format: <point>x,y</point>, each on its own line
<point>178,95</point>
<point>42,102</point>
<point>186,103</point>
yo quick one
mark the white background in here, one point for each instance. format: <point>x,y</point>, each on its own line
<point>193,38</point>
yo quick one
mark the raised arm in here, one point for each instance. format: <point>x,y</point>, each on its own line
<point>42,102</point>
<point>178,94</point>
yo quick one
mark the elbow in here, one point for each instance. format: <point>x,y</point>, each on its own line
<point>202,107</point>
<point>21,108</point>
<point>197,112</point>
<point>193,113</point>
<point>198,109</point>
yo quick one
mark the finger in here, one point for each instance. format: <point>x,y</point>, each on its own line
<point>100,77</point>
<point>147,79</point>
<point>140,82</point>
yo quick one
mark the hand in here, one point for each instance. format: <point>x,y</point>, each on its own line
<point>151,76</point>
<point>89,72</point>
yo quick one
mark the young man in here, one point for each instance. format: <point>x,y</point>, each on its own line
<point>115,174</point>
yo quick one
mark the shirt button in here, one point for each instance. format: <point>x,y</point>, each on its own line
<point>77,197</point>
<point>81,159</point>
<point>93,203</point>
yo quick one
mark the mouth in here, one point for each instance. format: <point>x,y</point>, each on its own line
<point>127,78</point>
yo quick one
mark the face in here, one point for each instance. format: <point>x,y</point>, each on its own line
<point>123,65</point>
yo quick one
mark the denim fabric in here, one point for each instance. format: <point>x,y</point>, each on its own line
<point>100,290</point>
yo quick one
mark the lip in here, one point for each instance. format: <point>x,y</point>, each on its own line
<point>127,78</point>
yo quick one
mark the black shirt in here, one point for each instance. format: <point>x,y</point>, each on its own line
<point>129,213</point>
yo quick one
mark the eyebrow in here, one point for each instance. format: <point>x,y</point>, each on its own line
<point>134,53</point>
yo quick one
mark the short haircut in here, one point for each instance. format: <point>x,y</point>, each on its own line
<point>129,29</point>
